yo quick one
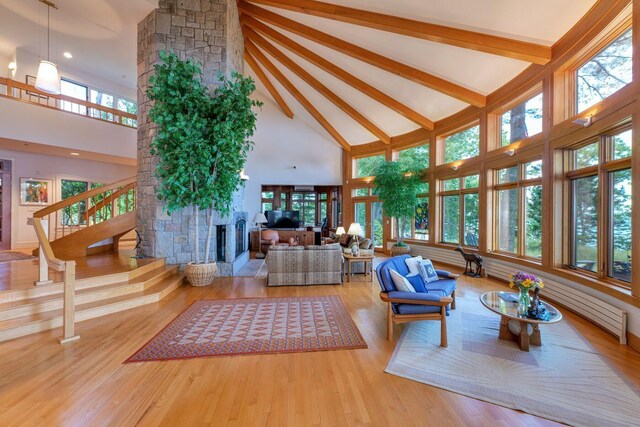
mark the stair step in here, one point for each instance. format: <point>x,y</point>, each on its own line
<point>38,322</point>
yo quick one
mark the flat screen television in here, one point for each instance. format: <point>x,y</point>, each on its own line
<point>283,219</point>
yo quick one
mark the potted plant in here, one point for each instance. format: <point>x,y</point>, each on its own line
<point>397,185</point>
<point>201,143</point>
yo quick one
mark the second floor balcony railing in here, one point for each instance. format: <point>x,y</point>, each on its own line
<point>26,93</point>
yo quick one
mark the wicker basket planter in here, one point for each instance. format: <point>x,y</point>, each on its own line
<point>201,274</point>
<point>400,250</point>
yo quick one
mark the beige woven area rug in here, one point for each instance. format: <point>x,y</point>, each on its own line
<point>564,380</point>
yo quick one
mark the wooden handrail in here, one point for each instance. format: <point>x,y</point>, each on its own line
<point>13,84</point>
<point>108,200</point>
<point>83,196</point>
<point>45,246</point>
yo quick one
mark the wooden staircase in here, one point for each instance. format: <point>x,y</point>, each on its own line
<point>37,309</point>
<point>70,230</point>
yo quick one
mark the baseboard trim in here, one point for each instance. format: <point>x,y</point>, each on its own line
<point>633,341</point>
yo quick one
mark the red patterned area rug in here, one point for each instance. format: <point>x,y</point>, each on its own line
<point>254,326</point>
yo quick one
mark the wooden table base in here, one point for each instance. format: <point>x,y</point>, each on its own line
<point>521,333</point>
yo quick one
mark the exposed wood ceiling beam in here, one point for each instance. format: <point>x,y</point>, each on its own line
<point>286,83</point>
<point>413,74</point>
<point>525,51</point>
<point>317,85</point>
<point>337,72</point>
<point>270,87</point>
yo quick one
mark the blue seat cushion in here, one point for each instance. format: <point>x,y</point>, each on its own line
<point>446,286</point>
<point>416,309</point>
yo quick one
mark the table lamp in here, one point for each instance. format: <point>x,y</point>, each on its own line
<point>355,230</point>
<point>340,231</point>
<point>260,219</point>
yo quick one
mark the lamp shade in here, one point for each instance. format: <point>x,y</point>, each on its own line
<point>340,231</point>
<point>48,79</point>
<point>355,230</point>
<point>259,218</point>
<point>244,176</point>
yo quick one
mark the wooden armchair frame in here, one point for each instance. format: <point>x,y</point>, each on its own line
<point>393,318</point>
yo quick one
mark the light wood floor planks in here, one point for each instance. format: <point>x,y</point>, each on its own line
<point>85,383</point>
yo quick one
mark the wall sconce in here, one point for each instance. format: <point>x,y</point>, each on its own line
<point>511,152</point>
<point>585,121</point>
<point>244,176</point>
<point>455,167</point>
<point>12,66</point>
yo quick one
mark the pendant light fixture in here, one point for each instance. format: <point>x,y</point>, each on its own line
<point>48,79</point>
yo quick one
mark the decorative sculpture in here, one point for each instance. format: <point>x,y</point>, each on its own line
<point>138,249</point>
<point>470,260</point>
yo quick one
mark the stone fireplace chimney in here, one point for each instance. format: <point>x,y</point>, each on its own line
<point>208,32</point>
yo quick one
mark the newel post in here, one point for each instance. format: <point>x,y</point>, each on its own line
<point>69,309</point>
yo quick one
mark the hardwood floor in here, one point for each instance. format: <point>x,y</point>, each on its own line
<point>85,383</point>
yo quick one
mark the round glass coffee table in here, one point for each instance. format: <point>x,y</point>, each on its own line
<point>514,327</point>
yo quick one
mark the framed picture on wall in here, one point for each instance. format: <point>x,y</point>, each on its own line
<point>35,191</point>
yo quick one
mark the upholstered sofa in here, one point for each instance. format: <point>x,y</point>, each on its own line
<point>309,265</point>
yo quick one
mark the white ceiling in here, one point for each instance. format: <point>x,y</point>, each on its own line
<point>100,34</point>
<point>542,22</point>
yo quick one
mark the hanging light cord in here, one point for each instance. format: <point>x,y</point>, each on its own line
<point>48,32</point>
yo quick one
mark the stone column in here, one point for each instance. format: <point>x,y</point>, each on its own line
<point>208,32</point>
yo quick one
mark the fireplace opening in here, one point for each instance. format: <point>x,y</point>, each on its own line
<point>221,243</point>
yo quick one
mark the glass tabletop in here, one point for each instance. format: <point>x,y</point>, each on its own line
<point>506,304</point>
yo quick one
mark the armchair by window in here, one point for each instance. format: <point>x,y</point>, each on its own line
<point>270,237</point>
<point>430,304</point>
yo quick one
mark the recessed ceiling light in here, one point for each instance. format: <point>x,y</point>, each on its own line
<point>68,55</point>
<point>75,154</point>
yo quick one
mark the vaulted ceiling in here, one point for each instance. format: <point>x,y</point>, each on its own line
<point>366,70</point>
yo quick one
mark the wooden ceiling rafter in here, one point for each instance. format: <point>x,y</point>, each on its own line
<point>502,46</point>
<point>337,72</point>
<point>380,61</point>
<point>267,83</point>
<point>290,87</point>
<point>317,85</point>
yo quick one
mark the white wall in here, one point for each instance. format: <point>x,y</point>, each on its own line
<point>280,144</point>
<point>28,165</point>
<point>31,123</point>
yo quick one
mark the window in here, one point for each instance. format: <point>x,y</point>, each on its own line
<point>305,203</point>
<point>73,90</point>
<point>460,220</point>
<point>522,121</point>
<point>601,209</point>
<point>518,210</point>
<point>268,198</point>
<point>605,73</point>
<point>416,157</point>
<point>418,228</point>
<point>104,99</point>
<point>366,166</point>
<point>462,145</point>
<point>74,214</point>
<point>128,107</point>
<point>360,192</point>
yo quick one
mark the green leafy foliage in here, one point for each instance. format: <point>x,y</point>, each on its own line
<point>397,185</point>
<point>202,138</point>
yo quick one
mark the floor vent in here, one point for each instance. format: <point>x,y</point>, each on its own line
<point>599,312</point>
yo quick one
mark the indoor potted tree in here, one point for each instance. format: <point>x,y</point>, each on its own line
<point>201,143</point>
<point>397,185</point>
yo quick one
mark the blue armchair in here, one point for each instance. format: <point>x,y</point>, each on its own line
<point>430,303</point>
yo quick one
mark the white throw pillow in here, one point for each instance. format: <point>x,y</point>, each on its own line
<point>413,264</point>
<point>400,282</point>
<point>427,271</point>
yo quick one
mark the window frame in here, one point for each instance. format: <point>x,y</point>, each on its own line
<point>604,170</point>
<point>354,165</point>
<point>460,192</point>
<point>520,184</point>
<point>441,143</point>
<point>494,120</point>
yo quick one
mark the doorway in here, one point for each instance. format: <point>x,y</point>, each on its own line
<point>5,204</point>
<point>368,213</point>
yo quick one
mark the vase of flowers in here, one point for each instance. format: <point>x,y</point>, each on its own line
<point>524,282</point>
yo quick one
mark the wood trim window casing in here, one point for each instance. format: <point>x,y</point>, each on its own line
<point>460,192</point>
